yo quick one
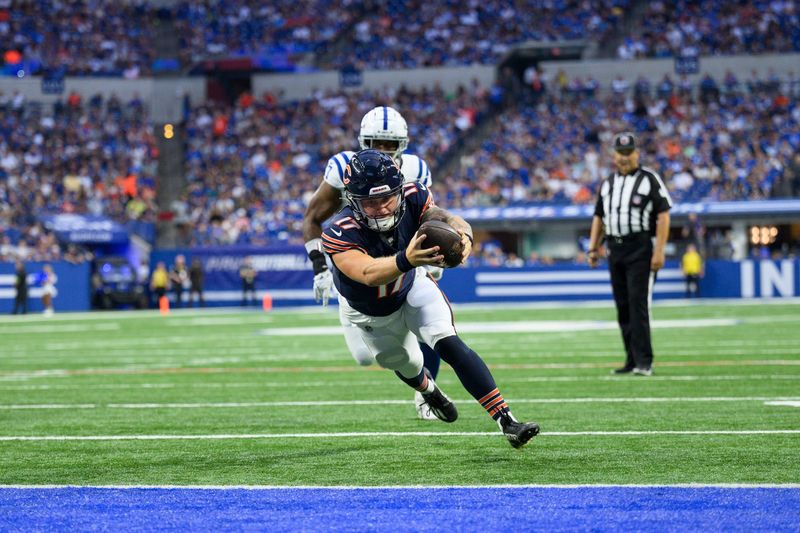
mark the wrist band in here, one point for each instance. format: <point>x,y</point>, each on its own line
<point>402,262</point>
<point>314,244</point>
<point>318,263</point>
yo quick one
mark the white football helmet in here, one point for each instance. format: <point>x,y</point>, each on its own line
<point>384,124</point>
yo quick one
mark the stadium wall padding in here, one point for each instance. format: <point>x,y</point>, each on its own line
<point>285,274</point>
<point>73,287</point>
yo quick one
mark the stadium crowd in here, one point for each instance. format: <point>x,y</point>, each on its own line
<point>246,27</point>
<point>85,37</point>
<point>416,33</point>
<point>95,37</point>
<point>252,167</point>
<point>94,157</point>
<point>726,140</point>
<point>714,27</point>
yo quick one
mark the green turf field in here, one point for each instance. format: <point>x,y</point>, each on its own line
<point>247,392</point>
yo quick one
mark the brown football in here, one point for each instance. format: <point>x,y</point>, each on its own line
<point>443,235</point>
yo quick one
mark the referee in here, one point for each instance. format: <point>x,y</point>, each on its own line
<point>632,207</point>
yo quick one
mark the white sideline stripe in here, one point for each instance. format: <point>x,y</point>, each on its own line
<point>58,328</point>
<point>331,310</point>
<point>527,326</point>
<point>787,403</point>
<point>319,403</point>
<point>395,434</point>
<point>259,384</point>
<point>220,321</point>
<point>534,277</point>
<point>563,290</point>
<point>49,406</point>
<point>412,487</point>
<point>280,294</point>
<point>536,379</point>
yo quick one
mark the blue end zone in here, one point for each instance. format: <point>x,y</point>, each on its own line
<point>461,509</point>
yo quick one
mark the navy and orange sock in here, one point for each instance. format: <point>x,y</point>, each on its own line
<point>494,404</point>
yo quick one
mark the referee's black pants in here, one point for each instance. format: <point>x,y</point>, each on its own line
<point>631,279</point>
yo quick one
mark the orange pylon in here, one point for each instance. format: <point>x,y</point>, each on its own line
<point>266,302</point>
<point>163,305</point>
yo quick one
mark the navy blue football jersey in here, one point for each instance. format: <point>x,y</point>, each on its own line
<point>345,233</point>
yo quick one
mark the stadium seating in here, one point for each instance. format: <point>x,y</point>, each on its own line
<point>90,157</point>
<point>252,167</point>
<point>79,38</point>
<point>719,143</point>
<point>714,27</point>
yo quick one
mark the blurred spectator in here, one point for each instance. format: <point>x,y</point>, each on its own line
<point>159,282</point>
<point>692,266</point>
<point>248,276</point>
<point>20,289</point>
<point>513,261</point>
<point>196,279</point>
<point>48,280</point>
<point>179,279</point>
<point>693,232</point>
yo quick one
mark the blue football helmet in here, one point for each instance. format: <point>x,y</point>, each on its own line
<point>373,183</point>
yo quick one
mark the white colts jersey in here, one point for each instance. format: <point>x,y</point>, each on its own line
<point>414,169</point>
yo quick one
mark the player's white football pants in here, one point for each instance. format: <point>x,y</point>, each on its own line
<point>392,340</point>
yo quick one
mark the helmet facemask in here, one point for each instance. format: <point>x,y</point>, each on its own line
<point>366,208</point>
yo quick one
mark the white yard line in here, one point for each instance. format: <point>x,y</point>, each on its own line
<point>190,357</point>
<point>322,403</point>
<point>784,403</point>
<point>393,434</point>
<point>743,377</point>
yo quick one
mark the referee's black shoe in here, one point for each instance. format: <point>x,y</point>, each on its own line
<point>622,370</point>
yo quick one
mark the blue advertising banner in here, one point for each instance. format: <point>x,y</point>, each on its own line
<point>723,279</point>
<point>545,284</point>
<point>72,286</point>
<point>85,229</point>
<point>585,212</point>
<point>283,272</point>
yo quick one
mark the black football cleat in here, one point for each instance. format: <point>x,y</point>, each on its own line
<point>440,405</point>
<point>517,433</point>
<point>622,370</point>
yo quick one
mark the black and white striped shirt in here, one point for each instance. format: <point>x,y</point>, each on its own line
<point>630,203</point>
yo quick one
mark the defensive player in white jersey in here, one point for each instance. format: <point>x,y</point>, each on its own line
<point>382,128</point>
